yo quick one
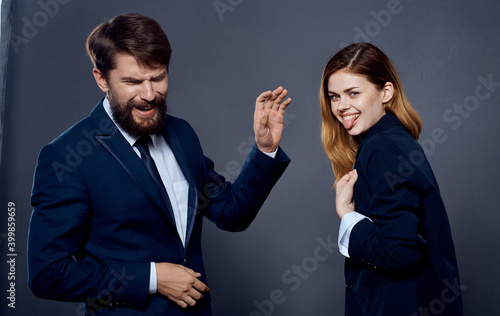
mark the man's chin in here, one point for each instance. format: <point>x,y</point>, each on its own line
<point>140,123</point>
<point>149,126</point>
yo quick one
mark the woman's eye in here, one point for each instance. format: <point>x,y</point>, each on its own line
<point>334,97</point>
<point>353,93</point>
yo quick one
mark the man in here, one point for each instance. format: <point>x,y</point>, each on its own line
<point>119,198</point>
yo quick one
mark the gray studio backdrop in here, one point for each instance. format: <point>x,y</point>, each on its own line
<point>225,53</point>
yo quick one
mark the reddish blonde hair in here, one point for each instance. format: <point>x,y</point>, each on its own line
<point>367,60</point>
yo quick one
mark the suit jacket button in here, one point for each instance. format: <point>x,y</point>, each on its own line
<point>349,284</point>
<point>185,261</point>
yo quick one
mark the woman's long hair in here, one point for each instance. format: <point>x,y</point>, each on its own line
<point>367,60</point>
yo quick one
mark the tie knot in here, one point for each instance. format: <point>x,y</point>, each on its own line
<point>143,145</point>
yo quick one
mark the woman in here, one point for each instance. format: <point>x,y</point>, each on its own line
<point>394,231</point>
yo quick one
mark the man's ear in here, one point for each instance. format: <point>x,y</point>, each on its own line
<point>100,80</point>
<point>388,90</point>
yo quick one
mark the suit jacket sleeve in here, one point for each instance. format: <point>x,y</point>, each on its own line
<point>231,206</point>
<point>392,241</point>
<point>234,206</point>
<point>59,228</point>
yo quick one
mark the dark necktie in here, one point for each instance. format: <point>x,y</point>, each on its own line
<point>142,145</point>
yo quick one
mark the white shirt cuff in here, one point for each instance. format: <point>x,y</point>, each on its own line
<point>273,154</point>
<point>346,225</point>
<point>152,279</point>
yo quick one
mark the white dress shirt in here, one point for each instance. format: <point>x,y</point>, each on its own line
<point>170,172</point>
<point>172,177</point>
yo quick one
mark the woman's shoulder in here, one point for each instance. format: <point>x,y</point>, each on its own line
<point>392,142</point>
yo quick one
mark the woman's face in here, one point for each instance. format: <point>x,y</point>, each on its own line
<point>356,102</point>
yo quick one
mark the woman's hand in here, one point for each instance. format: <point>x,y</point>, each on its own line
<point>344,202</point>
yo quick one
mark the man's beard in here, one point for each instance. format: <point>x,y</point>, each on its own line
<point>124,118</point>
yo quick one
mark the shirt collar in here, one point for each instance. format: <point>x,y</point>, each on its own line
<point>131,139</point>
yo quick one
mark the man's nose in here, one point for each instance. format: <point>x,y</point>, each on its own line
<point>147,91</point>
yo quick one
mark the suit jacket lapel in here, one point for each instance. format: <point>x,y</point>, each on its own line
<point>113,141</point>
<point>174,142</point>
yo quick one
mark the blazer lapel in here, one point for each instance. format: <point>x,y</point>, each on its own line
<point>174,142</point>
<point>113,141</point>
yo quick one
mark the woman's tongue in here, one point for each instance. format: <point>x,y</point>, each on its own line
<point>348,123</point>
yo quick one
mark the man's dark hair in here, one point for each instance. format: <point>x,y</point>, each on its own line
<point>132,34</point>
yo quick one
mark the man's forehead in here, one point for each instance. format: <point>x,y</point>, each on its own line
<point>128,65</point>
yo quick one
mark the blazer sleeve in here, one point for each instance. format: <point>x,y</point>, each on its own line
<point>392,241</point>
<point>233,207</point>
<point>59,228</point>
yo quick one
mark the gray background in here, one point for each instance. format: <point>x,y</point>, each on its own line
<point>220,63</point>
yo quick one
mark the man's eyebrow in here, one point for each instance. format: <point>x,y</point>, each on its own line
<point>132,79</point>
<point>160,76</point>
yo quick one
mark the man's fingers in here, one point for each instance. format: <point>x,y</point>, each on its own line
<point>284,105</point>
<point>276,98</point>
<point>273,99</point>
<point>194,294</point>
<point>180,284</point>
<point>186,301</point>
<point>277,92</point>
<point>191,296</point>
<point>181,303</point>
<point>261,99</point>
<point>280,97</point>
<point>197,285</point>
<point>192,272</point>
<point>200,286</point>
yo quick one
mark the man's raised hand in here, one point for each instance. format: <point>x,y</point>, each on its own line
<point>269,117</point>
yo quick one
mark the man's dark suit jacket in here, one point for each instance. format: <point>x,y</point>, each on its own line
<point>99,219</point>
<point>402,262</point>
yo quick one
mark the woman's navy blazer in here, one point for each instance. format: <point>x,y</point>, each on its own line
<point>402,259</point>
